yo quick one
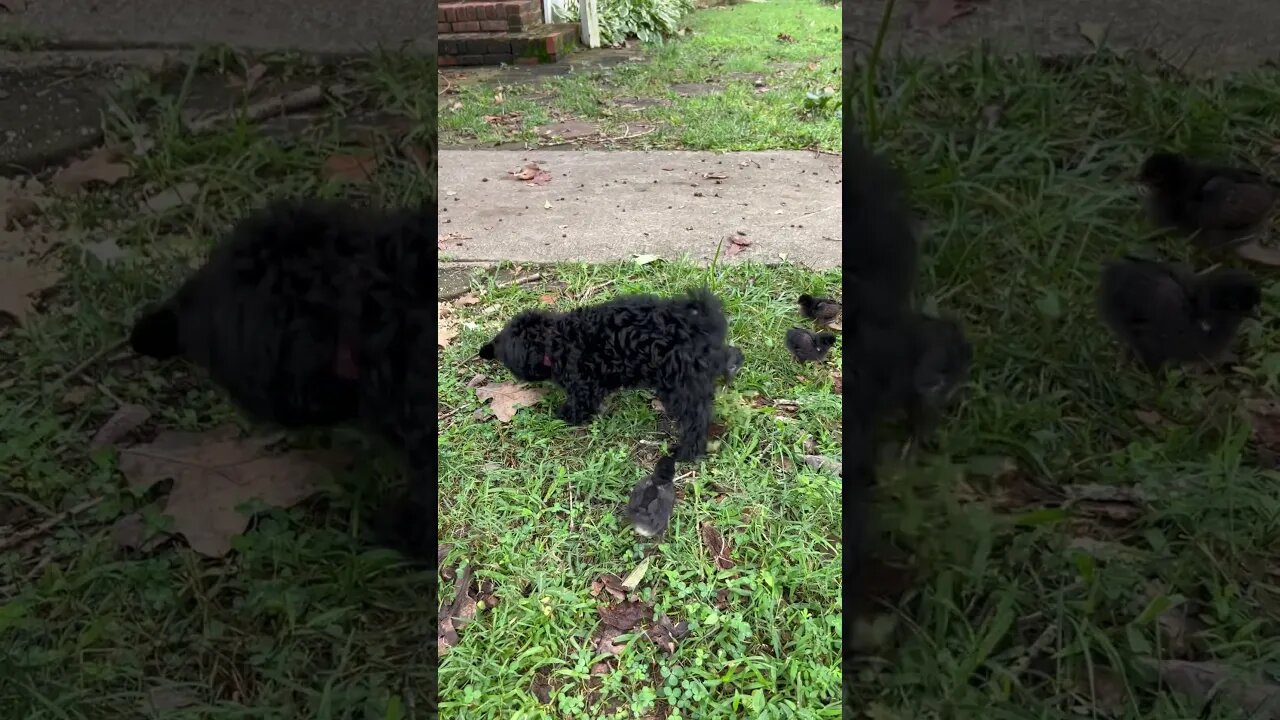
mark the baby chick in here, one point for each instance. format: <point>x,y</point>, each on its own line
<point>732,363</point>
<point>806,346</point>
<point>1167,314</point>
<point>653,499</point>
<point>824,310</point>
<point>1222,205</point>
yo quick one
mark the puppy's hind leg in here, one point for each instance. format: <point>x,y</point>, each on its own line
<point>691,407</point>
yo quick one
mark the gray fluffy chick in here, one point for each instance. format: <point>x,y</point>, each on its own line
<point>1221,205</point>
<point>1165,313</point>
<point>940,360</point>
<point>807,346</point>
<point>653,499</point>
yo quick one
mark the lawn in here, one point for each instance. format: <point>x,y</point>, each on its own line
<point>534,506</point>
<point>1083,540</point>
<point>104,613</point>
<point>741,78</point>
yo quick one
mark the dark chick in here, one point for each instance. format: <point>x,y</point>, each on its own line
<point>732,363</point>
<point>653,499</point>
<point>808,346</point>
<point>941,358</point>
<point>1221,205</point>
<point>824,310</point>
<point>1166,314</point>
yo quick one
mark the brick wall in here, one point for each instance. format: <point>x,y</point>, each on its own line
<point>470,16</point>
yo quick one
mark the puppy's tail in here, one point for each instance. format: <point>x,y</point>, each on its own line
<point>156,335</point>
<point>706,313</point>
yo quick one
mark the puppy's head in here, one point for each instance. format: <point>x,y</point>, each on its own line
<point>1165,171</point>
<point>525,346</point>
<point>944,360</point>
<point>157,334</point>
<point>1230,293</point>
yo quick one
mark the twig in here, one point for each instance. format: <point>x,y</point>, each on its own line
<point>90,361</point>
<point>1036,648</point>
<point>826,152</point>
<point>594,289</point>
<point>802,215</point>
<point>519,281</point>
<point>628,136</point>
<point>303,99</point>
<point>21,538</point>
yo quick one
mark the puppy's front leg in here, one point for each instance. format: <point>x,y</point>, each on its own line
<point>692,408</point>
<point>581,403</point>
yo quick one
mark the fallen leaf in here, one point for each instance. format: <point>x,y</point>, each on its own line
<point>737,243</point>
<point>716,545</point>
<point>1254,251</point>
<point>606,645</point>
<point>933,14</point>
<point>356,168</point>
<point>645,259</point>
<point>164,698</point>
<point>174,197</point>
<point>19,282</point>
<point>526,172</point>
<point>547,299</point>
<point>664,633</point>
<point>821,463</point>
<point>1204,681</point>
<point>442,551</point>
<point>633,579</point>
<point>129,531</point>
<point>506,397</point>
<point>125,420</point>
<point>546,204</point>
<point>106,251</point>
<point>465,300</point>
<point>76,395</point>
<point>463,612</point>
<point>625,615</point>
<point>101,166</point>
<point>213,477</point>
<point>1094,32</point>
<point>541,690</point>
<point>609,583</point>
<point>785,38</point>
<point>455,238</point>
<point>446,637</point>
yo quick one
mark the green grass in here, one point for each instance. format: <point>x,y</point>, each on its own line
<point>1018,611</point>
<point>305,618</point>
<point>537,504</point>
<point>731,48</point>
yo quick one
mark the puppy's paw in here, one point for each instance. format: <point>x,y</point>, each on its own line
<point>572,414</point>
<point>399,526</point>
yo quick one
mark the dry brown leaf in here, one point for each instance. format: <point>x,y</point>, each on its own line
<point>737,243</point>
<point>605,642</point>
<point>355,168</point>
<point>213,476</point>
<point>125,420</point>
<point>609,583</point>
<point>101,166</point>
<point>174,197</point>
<point>820,463</point>
<point>506,397</point>
<point>526,172</point>
<point>624,615</point>
<point>716,545</point>
<point>129,532</point>
<point>463,612</point>
<point>1203,681</point>
<point>465,300</point>
<point>664,633</point>
<point>251,78</point>
<point>446,637</point>
<point>933,14</point>
<point>20,282</point>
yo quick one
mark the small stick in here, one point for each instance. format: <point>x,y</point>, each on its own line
<point>90,361</point>
<point>21,538</point>
<point>594,289</point>
<point>298,100</point>
<point>519,281</point>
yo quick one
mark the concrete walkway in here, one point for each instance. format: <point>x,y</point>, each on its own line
<point>313,26</point>
<point>1206,36</point>
<point>602,206</point>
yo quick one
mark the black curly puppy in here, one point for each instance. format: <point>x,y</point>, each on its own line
<point>311,314</point>
<point>675,347</point>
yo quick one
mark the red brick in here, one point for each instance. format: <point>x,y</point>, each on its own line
<point>450,13</point>
<point>470,59</point>
<point>471,26</point>
<point>443,27</point>
<point>497,59</point>
<point>493,25</point>
<point>468,12</point>
<point>526,60</point>
<point>447,60</point>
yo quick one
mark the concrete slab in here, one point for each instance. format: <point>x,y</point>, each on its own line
<point>1206,36</point>
<point>46,115</point>
<point>315,26</point>
<point>602,206</point>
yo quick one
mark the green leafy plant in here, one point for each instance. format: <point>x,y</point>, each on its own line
<point>651,21</point>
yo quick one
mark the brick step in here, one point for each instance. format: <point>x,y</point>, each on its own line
<point>488,15</point>
<point>542,44</point>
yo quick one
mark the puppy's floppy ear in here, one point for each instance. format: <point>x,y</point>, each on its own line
<point>155,334</point>
<point>486,351</point>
